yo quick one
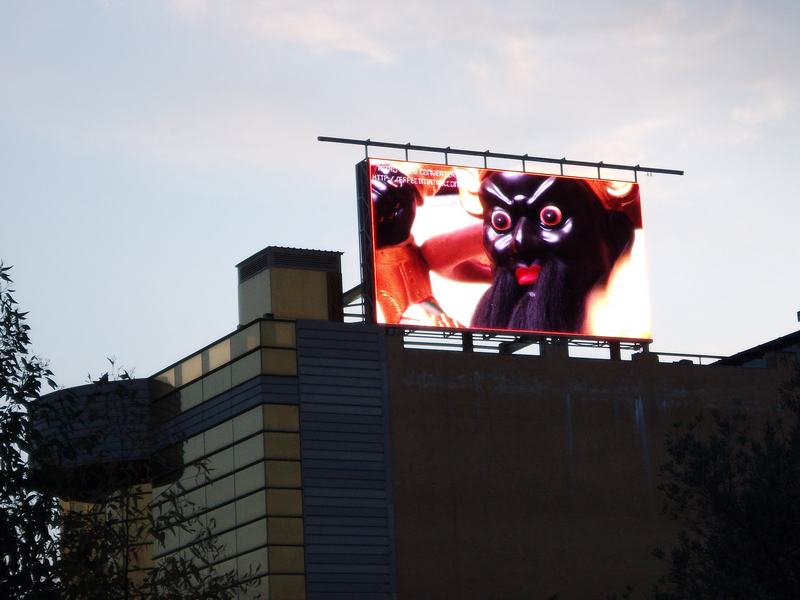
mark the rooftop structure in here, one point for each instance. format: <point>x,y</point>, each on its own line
<point>351,460</point>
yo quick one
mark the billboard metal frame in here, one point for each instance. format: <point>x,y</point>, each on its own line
<point>487,154</point>
<point>511,341</point>
<point>365,239</point>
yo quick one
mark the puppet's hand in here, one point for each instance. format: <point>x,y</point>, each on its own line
<point>428,313</point>
<point>395,207</point>
<point>458,255</point>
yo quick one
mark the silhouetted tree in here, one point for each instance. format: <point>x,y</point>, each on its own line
<point>735,490</point>
<point>98,551</point>
<point>28,520</point>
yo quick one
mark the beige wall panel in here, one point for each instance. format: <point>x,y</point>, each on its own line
<point>284,530</point>
<point>287,587</point>
<point>255,297</point>
<point>299,294</point>
<point>284,446</point>
<point>277,361</point>
<point>286,559</point>
<point>281,417</point>
<point>283,474</point>
<point>284,503</point>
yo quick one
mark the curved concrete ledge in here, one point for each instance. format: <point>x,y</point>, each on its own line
<point>93,439</point>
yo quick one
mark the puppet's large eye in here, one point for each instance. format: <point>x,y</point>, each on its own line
<point>550,216</point>
<point>501,220</point>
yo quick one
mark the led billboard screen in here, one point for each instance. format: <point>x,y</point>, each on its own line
<point>457,247</point>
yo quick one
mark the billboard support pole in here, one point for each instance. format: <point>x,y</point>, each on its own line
<point>466,341</point>
<point>365,233</point>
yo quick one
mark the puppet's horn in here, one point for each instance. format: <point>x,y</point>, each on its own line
<point>469,183</point>
<point>614,194</point>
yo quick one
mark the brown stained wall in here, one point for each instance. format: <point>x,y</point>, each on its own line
<point>525,476</point>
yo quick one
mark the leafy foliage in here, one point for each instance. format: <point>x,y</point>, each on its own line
<point>109,558</point>
<point>28,520</point>
<point>98,551</point>
<point>736,493</point>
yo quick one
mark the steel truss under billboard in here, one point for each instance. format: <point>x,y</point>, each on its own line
<point>460,247</point>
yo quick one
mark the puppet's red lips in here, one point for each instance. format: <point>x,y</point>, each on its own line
<point>527,275</point>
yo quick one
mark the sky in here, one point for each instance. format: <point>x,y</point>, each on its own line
<point>147,147</point>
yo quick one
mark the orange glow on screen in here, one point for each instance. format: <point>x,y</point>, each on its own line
<point>487,249</point>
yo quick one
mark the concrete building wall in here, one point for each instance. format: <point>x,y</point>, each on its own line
<point>344,465</point>
<point>527,476</point>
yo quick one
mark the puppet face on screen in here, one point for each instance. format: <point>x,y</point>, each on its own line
<point>530,221</point>
<point>551,241</point>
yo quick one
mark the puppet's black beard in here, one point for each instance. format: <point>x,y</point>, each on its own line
<point>548,305</point>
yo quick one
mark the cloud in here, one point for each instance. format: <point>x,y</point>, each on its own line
<point>767,101</point>
<point>232,81</point>
<point>320,27</point>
